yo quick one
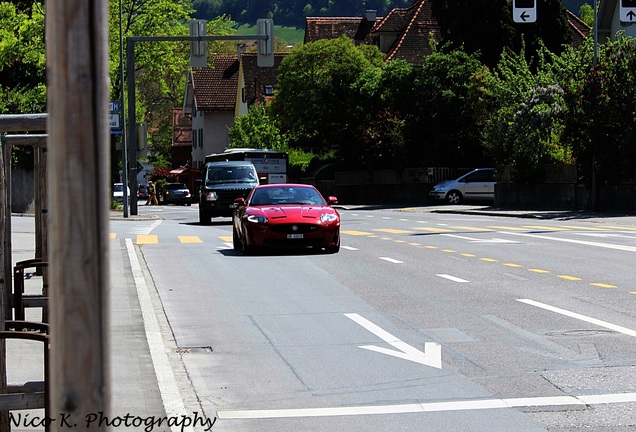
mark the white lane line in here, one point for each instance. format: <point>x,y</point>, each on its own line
<point>598,322</point>
<point>146,229</point>
<point>351,248</point>
<point>582,242</point>
<point>452,278</point>
<point>466,405</point>
<point>392,260</point>
<point>168,388</point>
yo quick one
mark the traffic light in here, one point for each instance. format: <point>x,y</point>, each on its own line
<point>265,48</point>
<point>524,11</point>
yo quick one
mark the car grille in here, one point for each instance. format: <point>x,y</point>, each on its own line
<point>294,228</point>
<point>228,196</point>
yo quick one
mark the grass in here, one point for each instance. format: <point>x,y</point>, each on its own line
<point>289,35</point>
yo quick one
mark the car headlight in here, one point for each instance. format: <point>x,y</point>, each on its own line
<point>211,196</point>
<point>328,217</point>
<point>257,219</point>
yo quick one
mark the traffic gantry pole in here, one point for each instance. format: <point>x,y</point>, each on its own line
<point>265,59</point>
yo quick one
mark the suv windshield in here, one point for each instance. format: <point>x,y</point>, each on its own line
<point>229,174</point>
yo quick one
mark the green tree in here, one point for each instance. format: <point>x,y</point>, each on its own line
<point>316,102</point>
<point>452,95</point>
<point>462,24</point>
<point>257,129</point>
<point>22,65</point>
<point>601,124</point>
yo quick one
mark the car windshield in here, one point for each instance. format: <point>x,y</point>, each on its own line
<point>118,187</point>
<point>286,195</point>
<point>174,186</point>
<point>235,174</point>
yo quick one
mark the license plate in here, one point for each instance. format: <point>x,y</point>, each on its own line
<point>294,236</point>
<point>232,205</point>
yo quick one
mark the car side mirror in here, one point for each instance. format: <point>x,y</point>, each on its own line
<point>332,200</point>
<point>239,201</point>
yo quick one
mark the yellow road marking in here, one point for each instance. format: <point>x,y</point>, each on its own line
<point>539,271</point>
<point>400,241</point>
<point>355,233</point>
<point>469,255</point>
<point>195,239</point>
<point>488,259</point>
<point>541,227</point>
<point>112,235</point>
<point>393,231</point>
<point>431,247</point>
<point>508,228</point>
<point>226,239</point>
<point>373,236</point>
<point>583,228</point>
<point>147,239</point>
<point>572,278</point>
<point>448,250</point>
<point>619,228</point>
<point>385,238</point>
<point>512,265</point>
<point>465,228</point>
<point>602,285</point>
<point>435,230</point>
<point>415,244</point>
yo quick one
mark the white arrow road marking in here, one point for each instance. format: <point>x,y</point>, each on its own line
<point>432,355</point>
<point>351,248</point>
<point>453,278</point>
<point>392,260</point>
<point>590,320</point>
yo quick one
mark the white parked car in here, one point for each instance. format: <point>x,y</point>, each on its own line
<point>118,192</point>
<point>478,184</point>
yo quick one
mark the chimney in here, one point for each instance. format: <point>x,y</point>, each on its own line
<point>370,15</point>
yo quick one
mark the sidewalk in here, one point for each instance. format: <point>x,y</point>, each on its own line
<point>148,380</point>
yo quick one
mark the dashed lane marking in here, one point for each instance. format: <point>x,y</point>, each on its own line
<point>392,260</point>
<point>190,239</point>
<point>393,231</point>
<point>433,230</point>
<point>452,278</point>
<point>570,278</point>
<point>356,233</point>
<point>598,322</point>
<point>147,239</point>
<point>227,239</point>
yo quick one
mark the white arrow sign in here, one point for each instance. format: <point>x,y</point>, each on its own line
<point>431,356</point>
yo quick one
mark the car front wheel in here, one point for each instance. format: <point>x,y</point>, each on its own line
<point>454,197</point>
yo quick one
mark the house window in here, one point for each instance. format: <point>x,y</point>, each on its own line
<point>200,138</point>
<point>269,90</point>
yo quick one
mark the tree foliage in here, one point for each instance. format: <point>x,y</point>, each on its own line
<point>487,27</point>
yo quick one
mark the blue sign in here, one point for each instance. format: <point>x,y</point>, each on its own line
<point>113,106</point>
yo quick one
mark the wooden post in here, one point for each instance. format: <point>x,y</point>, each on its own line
<point>41,219</point>
<point>79,164</point>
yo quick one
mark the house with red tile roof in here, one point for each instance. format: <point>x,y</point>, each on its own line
<point>404,33</point>
<point>215,95</point>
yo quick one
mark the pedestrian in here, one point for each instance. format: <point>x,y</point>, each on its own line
<point>152,194</point>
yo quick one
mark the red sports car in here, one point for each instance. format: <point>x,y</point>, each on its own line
<point>286,215</point>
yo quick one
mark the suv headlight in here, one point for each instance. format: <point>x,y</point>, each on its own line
<point>211,196</point>
<point>257,219</point>
<point>328,217</point>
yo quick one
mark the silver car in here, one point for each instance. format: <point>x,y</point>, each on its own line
<point>478,184</point>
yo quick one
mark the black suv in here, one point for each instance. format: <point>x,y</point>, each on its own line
<point>222,183</point>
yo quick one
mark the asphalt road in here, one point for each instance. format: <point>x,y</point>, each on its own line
<point>423,321</point>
